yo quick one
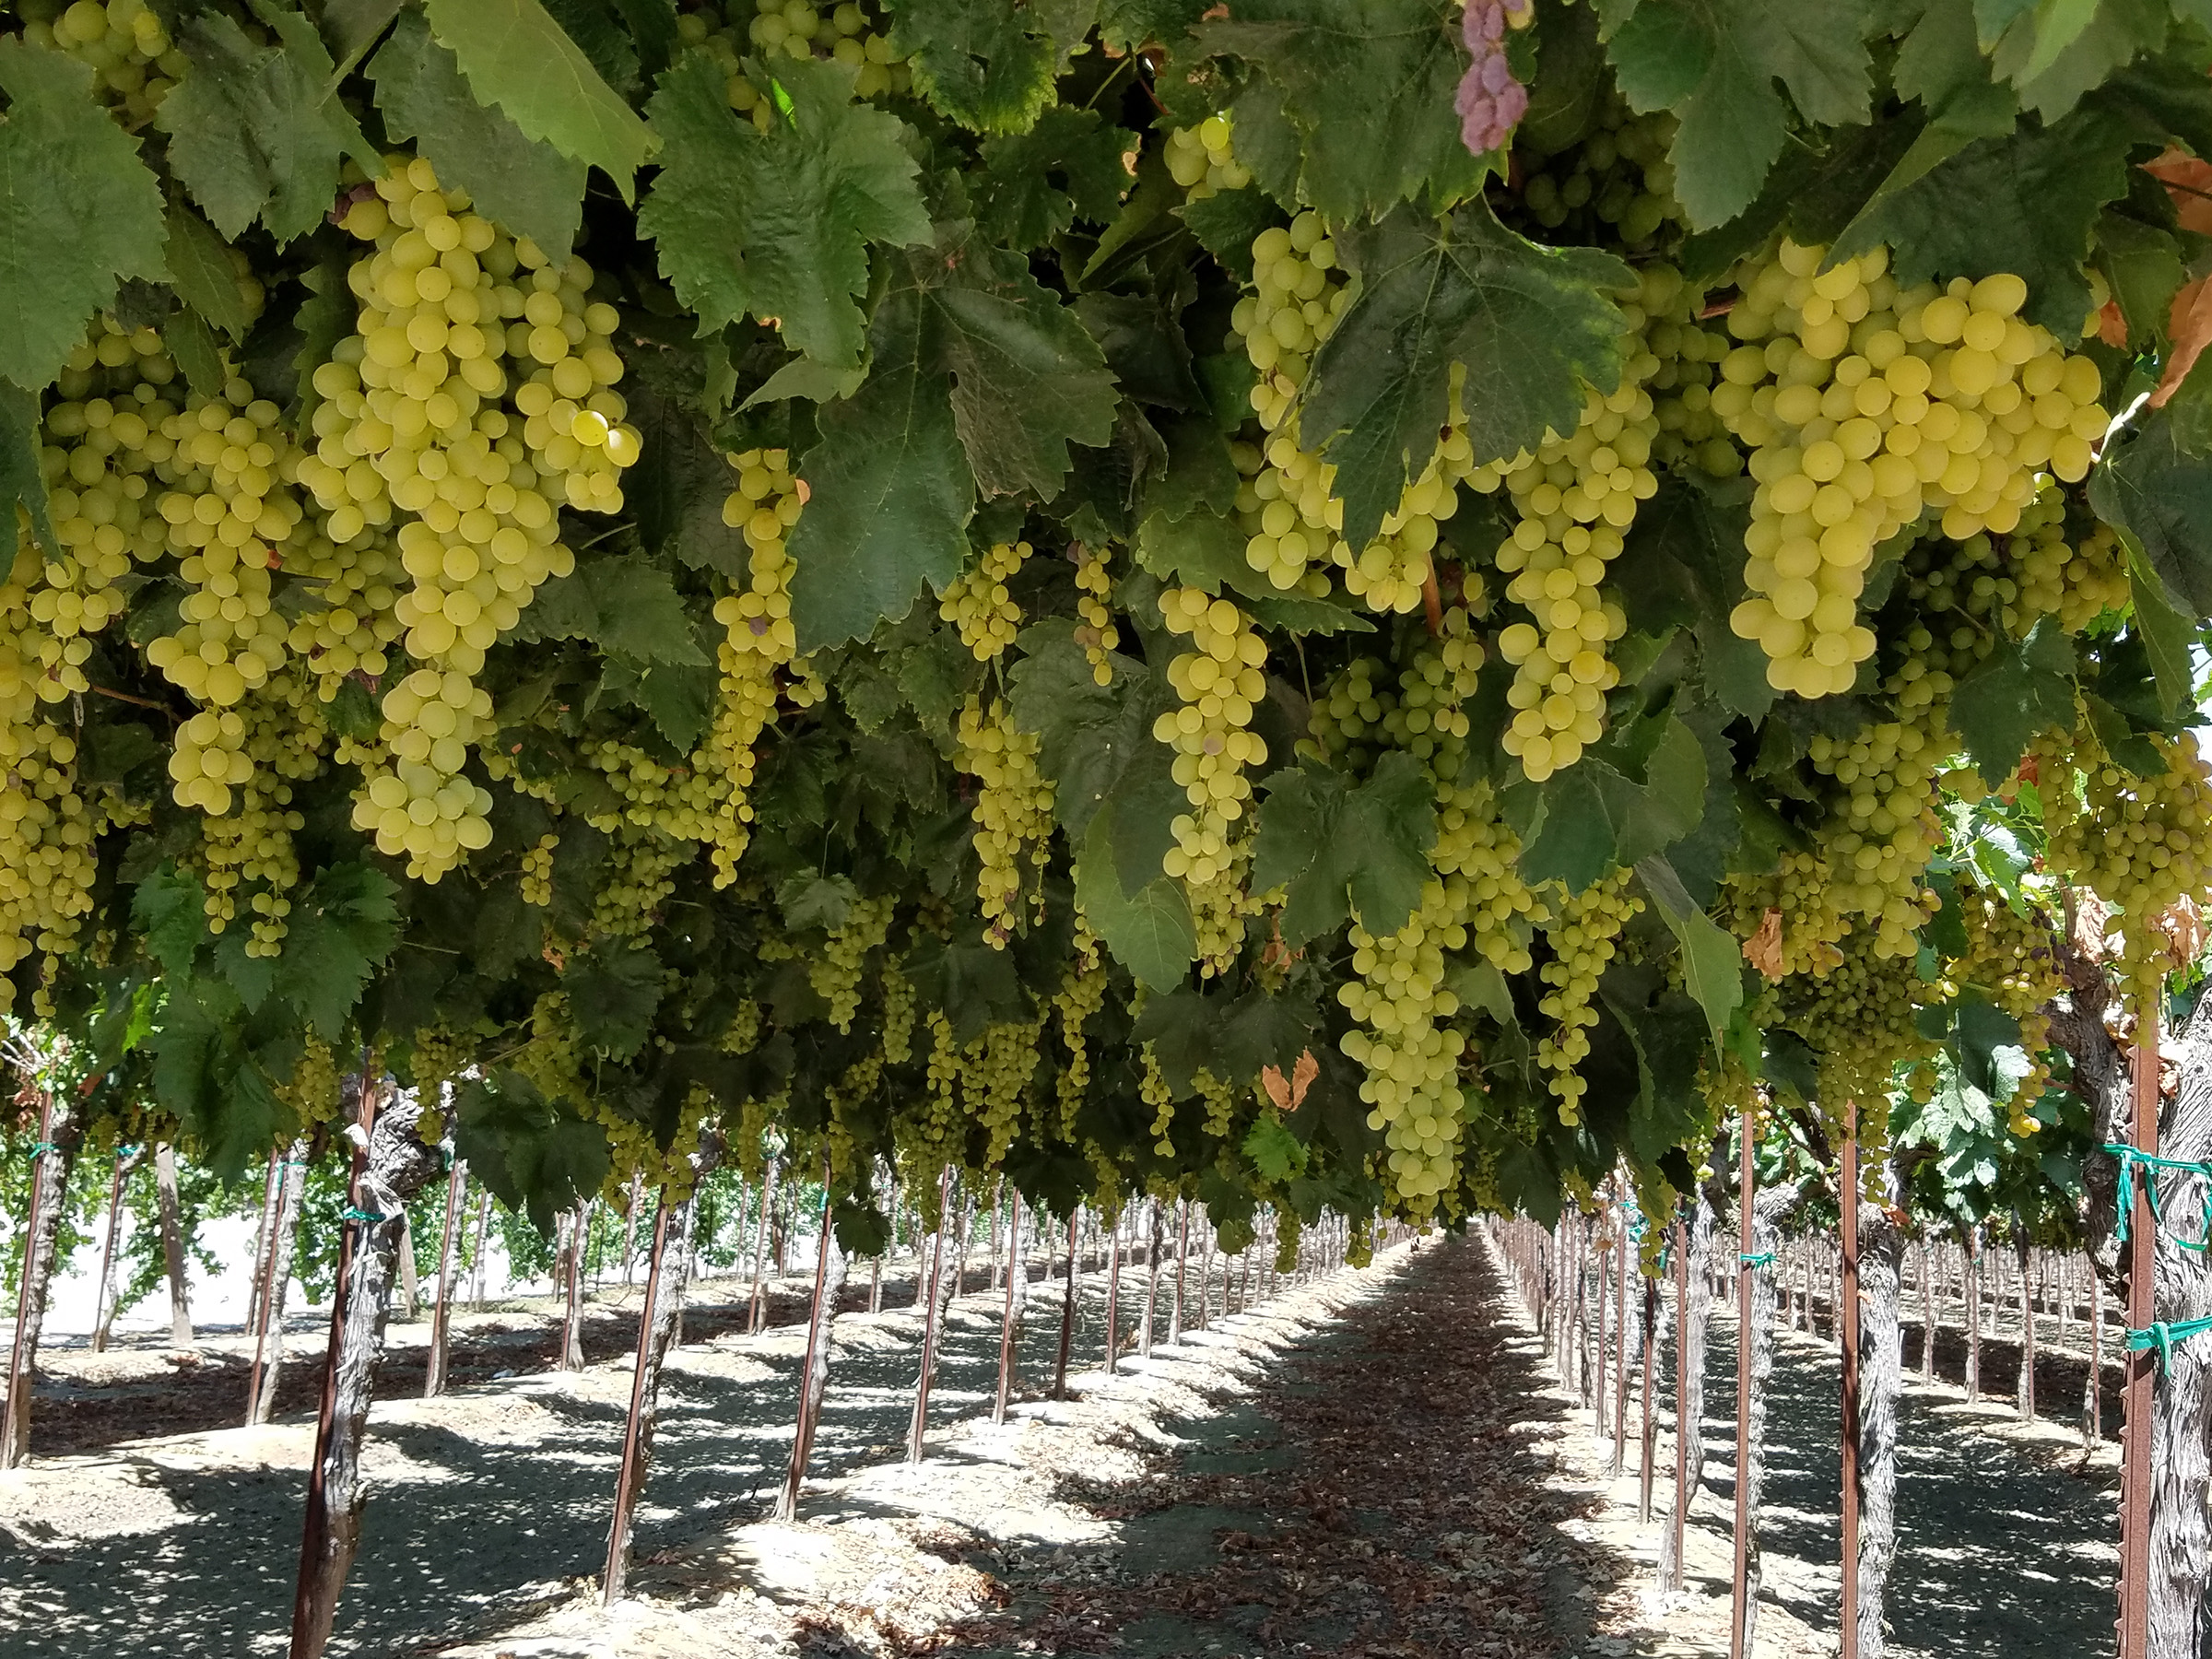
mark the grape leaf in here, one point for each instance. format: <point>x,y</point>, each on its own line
<point>1345,849</point>
<point>1228,222</point>
<point>170,908</point>
<point>523,183</point>
<point>1088,734</point>
<point>2027,203</point>
<point>1596,817</point>
<point>2021,688</point>
<point>777,224</point>
<point>891,492</point>
<point>78,211</point>
<point>628,606</point>
<point>970,982</point>
<point>515,56</point>
<point>535,1155</point>
<point>614,992</point>
<point>340,931</point>
<point>678,699</point>
<point>811,900</point>
<point>352,26</point>
<point>2065,48</point>
<point>1126,24</point>
<point>255,132</point>
<point>1384,70</point>
<point>1035,184</point>
<point>1714,63</point>
<point>1149,932</point>
<point>1686,570</point>
<point>981,377</point>
<point>1275,1152</point>
<point>200,270</point>
<point>2154,481</point>
<point>988,65</point>
<point>1713,965</point>
<point>22,482</point>
<point>1532,326</point>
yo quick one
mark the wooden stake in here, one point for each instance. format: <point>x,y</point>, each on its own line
<point>1745,1191</point>
<point>814,1379</point>
<point>1114,1289</point>
<point>1067,1309</point>
<point>1847,1332</point>
<point>632,1477</point>
<point>1684,1428</point>
<point>15,1428</point>
<point>1006,1331</point>
<point>2141,1364</point>
<point>918,1430</point>
<point>101,1314</point>
<point>433,1380</point>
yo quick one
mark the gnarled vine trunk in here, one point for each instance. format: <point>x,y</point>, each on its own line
<point>173,1245</point>
<point>62,1131</point>
<point>269,1347</point>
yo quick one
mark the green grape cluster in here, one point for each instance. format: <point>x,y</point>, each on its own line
<point>248,839</point>
<point>2139,843</point>
<point>548,1056</point>
<point>1094,603</point>
<point>2011,958</point>
<point>475,397</point>
<point>759,640</point>
<point>846,33</point>
<point>742,1035</point>
<point>1859,1016</point>
<point>976,602</point>
<point>678,801</point>
<point>1220,1097</point>
<point>1692,433</point>
<point>1868,404</point>
<point>124,43</point>
<point>1881,826</point>
<point>835,970</point>
<point>898,1015</point>
<point>1292,516</point>
<point>1411,1057</point>
<point>311,1093</point>
<point>1152,1088</point>
<point>1013,809</point>
<point>1081,994</point>
<point>1200,158</point>
<point>637,876</point>
<point>537,871</point>
<point>1613,185</point>
<point>1584,937</point>
<point>1218,682</point>
<point>994,1073</point>
<point>943,1131</point>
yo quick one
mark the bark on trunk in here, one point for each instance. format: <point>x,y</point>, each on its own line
<point>260,1401</point>
<point>1183,1252</point>
<point>398,1166</point>
<point>933,1317</point>
<point>1010,1319</point>
<point>1972,1292</point>
<point>62,1131</point>
<point>1205,1274</point>
<point>126,1164</point>
<point>1152,1245</point>
<point>1768,1211</point>
<point>1067,1307</point>
<point>813,1376</point>
<point>665,1275</point>
<point>571,1261</point>
<point>1696,1321</point>
<point>1881,1366</point>
<point>755,1319</point>
<point>265,1229</point>
<point>2027,1388</point>
<point>173,1245</point>
<point>1929,1302</point>
<point>477,1262</point>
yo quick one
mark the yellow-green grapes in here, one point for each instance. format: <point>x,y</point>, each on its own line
<point>311,1093</point>
<point>994,1072</point>
<point>2139,843</point>
<point>1868,404</point>
<point>247,839</point>
<point>1412,1060</point>
<point>1584,939</point>
<point>537,872</point>
<point>1094,603</point>
<point>640,873</point>
<point>1152,1088</point>
<point>1881,828</point>
<point>898,1015</point>
<point>1219,681</point>
<point>475,397</point>
<point>942,1133</point>
<point>124,42</point>
<point>1013,809</point>
<point>976,601</point>
<point>757,640</point>
<point>678,801</point>
<point>1859,1019</point>
<point>1614,184</point>
<point>1221,1099</point>
<point>1081,994</point>
<point>835,971</point>
<point>1200,159</point>
<point>1575,497</point>
<point>848,33</point>
<point>2012,960</point>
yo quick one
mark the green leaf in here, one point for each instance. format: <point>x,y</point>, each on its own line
<point>170,911</point>
<point>2154,481</point>
<point>988,65</point>
<point>255,132</point>
<point>339,933</point>
<point>1713,964</point>
<point>536,1154</point>
<point>325,317</point>
<point>78,211</point>
<point>1088,734</point>
<point>192,344</point>
<point>973,985</point>
<point>1368,88</point>
<point>1941,65</point>
<point>1150,931</point>
<point>614,992</point>
<point>2026,202</point>
<point>982,378</point>
<point>1597,817</point>
<point>816,901</point>
<point>677,488</point>
<point>2067,47</point>
<point>1035,184</point>
<point>891,493</point>
<point>515,56</point>
<point>1126,24</point>
<point>1275,1152</point>
<point>777,224</point>
<point>679,698</point>
<point>523,183</point>
<point>2022,688</point>
<point>1228,222</point>
<point>1684,566</point>
<point>352,26</point>
<point>1346,850</point>
<point>1533,327</point>
<point>2168,637</point>
<point>1715,64</point>
<point>22,481</point>
<point>200,270</point>
<point>627,605</point>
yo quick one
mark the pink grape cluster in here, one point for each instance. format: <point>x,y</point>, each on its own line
<point>1490,100</point>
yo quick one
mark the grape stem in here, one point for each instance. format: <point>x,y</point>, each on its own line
<point>144,702</point>
<point>1432,603</point>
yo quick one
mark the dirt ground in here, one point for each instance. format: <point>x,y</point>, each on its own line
<point>1379,1463</point>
